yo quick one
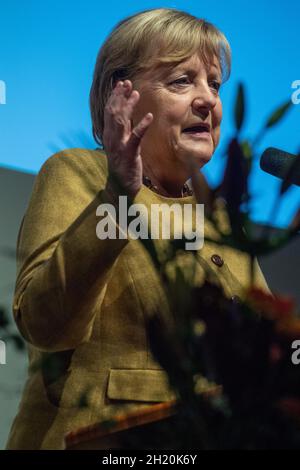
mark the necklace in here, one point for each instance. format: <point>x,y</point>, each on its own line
<point>185,191</point>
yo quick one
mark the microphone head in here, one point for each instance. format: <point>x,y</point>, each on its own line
<point>281,164</point>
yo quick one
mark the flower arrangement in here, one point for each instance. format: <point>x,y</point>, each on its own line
<point>231,361</point>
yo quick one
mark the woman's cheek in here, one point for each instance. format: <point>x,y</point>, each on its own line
<point>219,112</point>
<point>217,119</point>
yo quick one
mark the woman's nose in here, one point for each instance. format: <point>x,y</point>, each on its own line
<point>204,99</point>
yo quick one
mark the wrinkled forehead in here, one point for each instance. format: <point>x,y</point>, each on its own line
<point>162,68</point>
<point>196,62</point>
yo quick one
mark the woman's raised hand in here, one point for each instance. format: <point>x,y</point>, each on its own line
<point>122,144</point>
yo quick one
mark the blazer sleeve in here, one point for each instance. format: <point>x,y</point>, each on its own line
<point>62,267</point>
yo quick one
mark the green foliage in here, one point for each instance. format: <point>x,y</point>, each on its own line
<point>239,110</point>
<point>240,349</point>
<point>275,117</point>
<point>278,114</point>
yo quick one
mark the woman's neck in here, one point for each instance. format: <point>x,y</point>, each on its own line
<point>164,186</point>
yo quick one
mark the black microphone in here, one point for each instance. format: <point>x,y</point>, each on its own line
<point>281,164</point>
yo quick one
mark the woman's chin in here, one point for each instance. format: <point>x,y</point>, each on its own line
<point>199,151</point>
<point>200,157</point>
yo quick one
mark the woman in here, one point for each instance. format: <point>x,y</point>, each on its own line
<point>81,302</point>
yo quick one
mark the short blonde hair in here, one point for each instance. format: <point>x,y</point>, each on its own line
<point>149,39</point>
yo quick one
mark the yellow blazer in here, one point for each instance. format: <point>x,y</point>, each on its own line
<point>81,304</point>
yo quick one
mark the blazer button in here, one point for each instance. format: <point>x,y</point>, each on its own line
<point>217,260</point>
<point>236,299</point>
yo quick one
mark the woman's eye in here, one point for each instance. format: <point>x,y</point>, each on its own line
<point>215,85</point>
<point>181,81</point>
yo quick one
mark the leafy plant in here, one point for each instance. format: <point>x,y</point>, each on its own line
<point>230,361</point>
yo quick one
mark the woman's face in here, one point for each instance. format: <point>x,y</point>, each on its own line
<point>180,98</point>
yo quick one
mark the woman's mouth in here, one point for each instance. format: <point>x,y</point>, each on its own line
<point>198,131</point>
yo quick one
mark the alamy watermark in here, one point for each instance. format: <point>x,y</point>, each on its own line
<point>295,358</point>
<point>2,352</point>
<point>2,92</point>
<point>163,221</point>
<point>296,94</point>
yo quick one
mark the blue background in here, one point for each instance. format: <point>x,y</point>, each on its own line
<point>47,54</point>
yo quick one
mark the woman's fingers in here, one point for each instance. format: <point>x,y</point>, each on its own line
<point>114,121</point>
<point>119,108</point>
<point>128,88</point>
<point>121,142</point>
<point>118,114</point>
<point>130,104</point>
<point>138,132</point>
<point>126,99</point>
<point>120,95</point>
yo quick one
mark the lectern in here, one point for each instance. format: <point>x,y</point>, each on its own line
<point>125,430</point>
